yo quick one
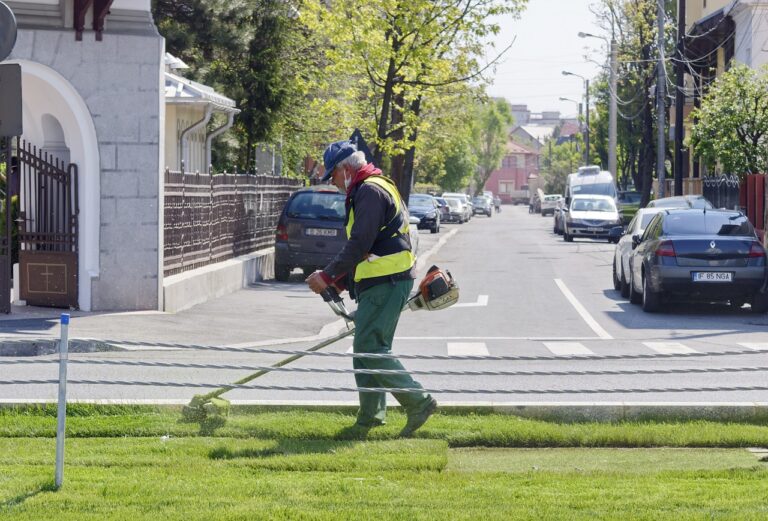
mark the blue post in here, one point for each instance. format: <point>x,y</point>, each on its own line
<point>62,412</point>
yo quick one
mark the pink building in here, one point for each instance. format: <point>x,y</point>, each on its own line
<point>518,164</point>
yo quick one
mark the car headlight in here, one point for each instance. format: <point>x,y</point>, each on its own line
<point>431,214</point>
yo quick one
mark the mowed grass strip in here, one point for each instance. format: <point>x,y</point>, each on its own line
<point>226,479</point>
<point>458,430</point>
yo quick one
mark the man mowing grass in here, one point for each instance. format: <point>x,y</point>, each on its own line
<point>378,261</point>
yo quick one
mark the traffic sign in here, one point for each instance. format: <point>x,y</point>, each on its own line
<point>7,31</point>
<point>10,100</point>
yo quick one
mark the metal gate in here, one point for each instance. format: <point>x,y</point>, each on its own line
<point>5,229</point>
<point>48,212</point>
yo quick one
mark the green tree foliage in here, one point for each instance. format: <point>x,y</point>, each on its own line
<point>398,60</point>
<point>490,143</point>
<point>558,161</point>
<point>731,126</point>
<point>255,52</point>
<point>634,25</point>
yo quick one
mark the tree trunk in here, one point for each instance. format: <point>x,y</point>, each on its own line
<point>410,154</point>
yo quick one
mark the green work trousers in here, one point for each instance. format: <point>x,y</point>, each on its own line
<point>378,312</point>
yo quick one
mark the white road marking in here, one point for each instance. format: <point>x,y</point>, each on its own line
<point>568,348</point>
<point>581,310</point>
<point>467,349</point>
<point>482,300</point>
<point>755,346</point>
<point>422,260</point>
<point>669,348</point>
<point>491,338</point>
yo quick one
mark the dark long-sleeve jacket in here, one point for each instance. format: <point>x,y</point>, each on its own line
<point>374,208</point>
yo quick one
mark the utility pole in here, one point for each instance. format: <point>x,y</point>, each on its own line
<point>613,111</point>
<point>679,97</point>
<point>661,81</point>
<point>586,139</point>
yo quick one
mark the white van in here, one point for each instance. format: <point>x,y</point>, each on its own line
<point>590,180</point>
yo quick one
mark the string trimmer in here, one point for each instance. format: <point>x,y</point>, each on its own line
<point>437,290</point>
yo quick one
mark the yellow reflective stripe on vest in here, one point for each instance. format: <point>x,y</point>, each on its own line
<point>375,266</point>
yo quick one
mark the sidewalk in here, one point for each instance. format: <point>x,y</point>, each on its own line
<point>264,312</point>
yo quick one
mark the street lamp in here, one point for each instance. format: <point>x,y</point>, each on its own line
<point>613,109</point>
<point>570,165</point>
<point>586,134</point>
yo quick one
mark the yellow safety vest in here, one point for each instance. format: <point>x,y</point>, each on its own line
<point>373,265</point>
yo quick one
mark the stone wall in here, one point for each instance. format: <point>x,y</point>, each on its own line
<point>119,79</point>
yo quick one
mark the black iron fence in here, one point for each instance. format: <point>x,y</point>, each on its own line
<point>722,191</point>
<point>211,218</point>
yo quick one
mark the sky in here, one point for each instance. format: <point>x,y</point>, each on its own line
<point>547,43</point>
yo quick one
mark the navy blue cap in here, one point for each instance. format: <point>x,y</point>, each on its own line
<point>335,154</point>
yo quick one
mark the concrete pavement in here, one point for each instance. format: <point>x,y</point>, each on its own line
<point>264,313</point>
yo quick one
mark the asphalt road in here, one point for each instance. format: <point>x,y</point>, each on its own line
<point>524,292</point>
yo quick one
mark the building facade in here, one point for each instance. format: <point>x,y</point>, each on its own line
<point>517,166</point>
<point>92,78</point>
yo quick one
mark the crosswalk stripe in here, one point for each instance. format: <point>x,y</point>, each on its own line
<point>669,348</point>
<point>467,349</point>
<point>756,346</point>
<point>568,348</point>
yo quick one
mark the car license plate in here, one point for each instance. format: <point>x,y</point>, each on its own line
<point>321,232</point>
<point>712,276</point>
<point>592,229</point>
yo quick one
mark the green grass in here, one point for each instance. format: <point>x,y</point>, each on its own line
<point>458,430</point>
<point>140,463</point>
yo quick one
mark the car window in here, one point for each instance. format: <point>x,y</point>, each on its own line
<point>646,219</point>
<point>327,206</point>
<point>708,223</point>
<point>631,229</point>
<point>420,200</point>
<point>652,230</point>
<point>593,205</point>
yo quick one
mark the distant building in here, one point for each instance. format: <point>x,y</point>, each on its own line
<point>519,163</point>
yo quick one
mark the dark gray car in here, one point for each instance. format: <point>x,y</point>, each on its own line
<point>310,230</point>
<point>698,255</point>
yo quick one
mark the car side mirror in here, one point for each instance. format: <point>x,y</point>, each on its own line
<point>636,240</point>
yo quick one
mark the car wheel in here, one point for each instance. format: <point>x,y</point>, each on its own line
<point>616,281</point>
<point>566,237</point>
<point>634,296</point>
<point>760,303</point>
<point>651,299</point>
<point>435,229</point>
<point>624,284</point>
<point>282,272</point>
<point>307,271</point>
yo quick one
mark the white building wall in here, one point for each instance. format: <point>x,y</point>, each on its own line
<point>119,83</point>
<point>751,38</point>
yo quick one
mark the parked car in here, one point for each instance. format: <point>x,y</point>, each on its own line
<point>310,230</point>
<point>624,248</point>
<point>445,211</point>
<point>464,198</point>
<point>681,201</point>
<point>628,202</point>
<point>589,180</point>
<point>483,204</point>
<point>548,204</point>
<point>698,255</point>
<point>427,210</point>
<point>592,216</point>
<point>458,210</point>
<point>559,216</point>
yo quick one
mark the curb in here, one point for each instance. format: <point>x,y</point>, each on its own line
<point>600,412</point>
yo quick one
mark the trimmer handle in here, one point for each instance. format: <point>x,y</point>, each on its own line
<point>330,294</point>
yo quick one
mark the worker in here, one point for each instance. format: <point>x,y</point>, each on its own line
<point>378,261</point>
